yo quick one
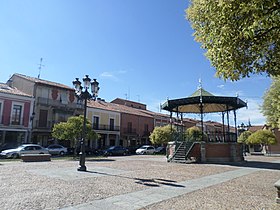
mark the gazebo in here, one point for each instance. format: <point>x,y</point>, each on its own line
<point>201,102</point>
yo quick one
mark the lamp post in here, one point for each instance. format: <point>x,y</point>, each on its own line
<point>31,127</point>
<point>82,93</point>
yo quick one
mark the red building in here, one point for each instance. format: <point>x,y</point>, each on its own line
<point>136,123</point>
<point>16,110</point>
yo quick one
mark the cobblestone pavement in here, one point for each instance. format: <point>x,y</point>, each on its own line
<point>139,182</point>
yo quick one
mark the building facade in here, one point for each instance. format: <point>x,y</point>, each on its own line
<point>136,123</point>
<point>15,116</point>
<point>54,103</point>
<point>105,122</point>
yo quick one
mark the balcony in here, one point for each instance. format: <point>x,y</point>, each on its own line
<point>130,131</point>
<point>106,127</point>
<point>58,103</point>
<point>43,125</point>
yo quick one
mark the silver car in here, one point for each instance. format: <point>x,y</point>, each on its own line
<point>24,149</point>
<point>56,149</point>
<point>145,150</point>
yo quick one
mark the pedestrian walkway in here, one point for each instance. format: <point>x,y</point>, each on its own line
<point>143,198</point>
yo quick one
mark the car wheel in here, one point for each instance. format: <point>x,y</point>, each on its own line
<point>14,155</point>
<point>124,153</point>
<point>62,153</point>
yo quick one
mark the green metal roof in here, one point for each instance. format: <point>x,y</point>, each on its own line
<point>201,92</point>
<point>208,101</point>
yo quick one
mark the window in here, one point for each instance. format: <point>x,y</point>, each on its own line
<point>1,106</point>
<point>146,128</point>
<point>43,118</point>
<point>63,98</point>
<point>16,114</point>
<point>112,122</point>
<point>129,127</point>
<point>95,123</point>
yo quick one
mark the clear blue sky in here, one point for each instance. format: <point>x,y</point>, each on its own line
<point>139,50</point>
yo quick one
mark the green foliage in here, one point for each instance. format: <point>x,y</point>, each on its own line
<point>271,104</point>
<point>240,37</point>
<point>161,135</point>
<point>72,130</point>
<point>264,137</point>
<point>243,138</point>
<point>194,134</point>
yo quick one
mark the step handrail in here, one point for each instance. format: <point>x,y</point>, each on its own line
<point>190,148</point>
<point>173,155</point>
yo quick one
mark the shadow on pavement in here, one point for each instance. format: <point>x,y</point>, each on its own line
<point>100,160</point>
<point>146,182</point>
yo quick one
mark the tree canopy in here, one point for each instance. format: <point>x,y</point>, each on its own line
<point>72,130</point>
<point>240,37</point>
<point>193,134</point>
<point>263,137</point>
<point>243,138</point>
<point>271,104</point>
<point>161,135</point>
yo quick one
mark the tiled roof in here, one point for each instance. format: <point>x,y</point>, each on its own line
<point>190,120</point>
<point>125,100</point>
<point>41,81</point>
<point>117,108</point>
<point>213,123</point>
<point>255,128</point>
<point>4,88</point>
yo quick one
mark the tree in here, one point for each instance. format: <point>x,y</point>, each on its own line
<point>240,37</point>
<point>162,135</point>
<point>243,138</point>
<point>194,134</point>
<point>72,130</point>
<point>271,104</point>
<point>263,137</point>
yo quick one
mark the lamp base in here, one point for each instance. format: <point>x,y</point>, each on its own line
<point>82,168</point>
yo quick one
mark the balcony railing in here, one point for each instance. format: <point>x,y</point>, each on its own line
<point>221,137</point>
<point>43,125</point>
<point>129,131</point>
<point>58,103</point>
<point>106,127</point>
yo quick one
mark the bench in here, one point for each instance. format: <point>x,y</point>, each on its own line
<point>277,185</point>
<point>35,157</point>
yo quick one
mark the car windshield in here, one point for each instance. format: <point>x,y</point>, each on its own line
<point>20,147</point>
<point>112,147</point>
<point>144,147</point>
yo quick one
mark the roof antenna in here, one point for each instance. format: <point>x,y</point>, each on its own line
<point>40,67</point>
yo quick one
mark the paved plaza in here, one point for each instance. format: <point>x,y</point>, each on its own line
<point>139,182</point>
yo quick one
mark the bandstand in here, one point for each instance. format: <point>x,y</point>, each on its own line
<point>222,146</point>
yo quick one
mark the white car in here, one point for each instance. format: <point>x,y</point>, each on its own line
<point>56,149</point>
<point>145,150</point>
<point>24,149</point>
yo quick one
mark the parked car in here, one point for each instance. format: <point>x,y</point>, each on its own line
<point>56,149</point>
<point>132,149</point>
<point>88,151</point>
<point>115,150</point>
<point>6,146</point>
<point>160,150</point>
<point>24,149</point>
<point>145,150</point>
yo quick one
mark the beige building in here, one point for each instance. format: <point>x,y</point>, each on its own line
<point>105,122</point>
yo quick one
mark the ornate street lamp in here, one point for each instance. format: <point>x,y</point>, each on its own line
<point>82,93</point>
